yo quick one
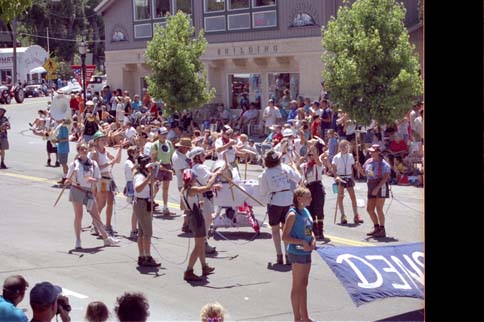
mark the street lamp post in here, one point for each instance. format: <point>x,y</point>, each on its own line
<point>82,52</point>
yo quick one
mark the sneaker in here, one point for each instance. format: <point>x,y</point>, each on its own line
<point>166,211</point>
<point>210,249</point>
<point>357,219</point>
<point>3,166</point>
<point>344,220</point>
<point>206,270</point>
<point>380,233</point>
<point>133,235</point>
<point>375,229</point>
<point>189,276</point>
<point>141,260</point>
<point>279,260</point>
<point>150,262</point>
<point>61,181</point>
<point>57,164</point>
<point>78,244</point>
<point>110,241</point>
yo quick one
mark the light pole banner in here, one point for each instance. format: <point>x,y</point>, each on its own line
<point>369,273</point>
<point>77,70</point>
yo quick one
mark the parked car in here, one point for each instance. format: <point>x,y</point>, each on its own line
<point>97,83</point>
<point>33,90</point>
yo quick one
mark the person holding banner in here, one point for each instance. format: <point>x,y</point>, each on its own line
<point>299,236</point>
<point>377,172</point>
<point>276,184</point>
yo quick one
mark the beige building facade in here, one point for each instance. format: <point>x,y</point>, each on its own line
<point>257,49</point>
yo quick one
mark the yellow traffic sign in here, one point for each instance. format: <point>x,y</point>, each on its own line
<point>50,66</point>
<point>51,75</point>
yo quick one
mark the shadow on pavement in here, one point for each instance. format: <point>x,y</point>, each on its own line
<point>382,239</point>
<point>245,235</point>
<point>92,250</point>
<point>417,315</point>
<point>150,270</point>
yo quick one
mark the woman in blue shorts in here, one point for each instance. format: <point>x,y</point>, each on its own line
<point>298,234</point>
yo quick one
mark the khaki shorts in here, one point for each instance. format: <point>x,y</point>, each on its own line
<point>145,220</point>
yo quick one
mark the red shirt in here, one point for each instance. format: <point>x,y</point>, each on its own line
<point>398,147</point>
<point>316,129</point>
<point>276,138</point>
<point>74,104</point>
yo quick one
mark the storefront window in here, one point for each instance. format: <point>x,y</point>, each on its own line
<point>6,75</point>
<point>264,19</point>
<point>162,7</point>
<point>216,23</point>
<point>240,21</point>
<point>185,6</point>
<point>142,9</point>
<point>263,3</point>
<point>283,87</point>
<point>238,4</point>
<point>214,5</point>
<point>244,89</point>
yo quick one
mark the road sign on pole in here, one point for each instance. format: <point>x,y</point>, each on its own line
<point>50,66</point>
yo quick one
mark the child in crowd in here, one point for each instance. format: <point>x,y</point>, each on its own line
<point>97,312</point>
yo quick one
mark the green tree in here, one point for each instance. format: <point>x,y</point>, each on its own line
<point>371,69</point>
<point>11,9</point>
<point>177,74</point>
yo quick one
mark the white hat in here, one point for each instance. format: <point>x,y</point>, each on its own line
<point>287,132</point>
<point>194,152</point>
<point>89,103</point>
<point>162,130</point>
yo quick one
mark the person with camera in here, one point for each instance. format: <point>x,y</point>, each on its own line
<point>193,204</point>
<point>343,163</point>
<point>14,288</point>
<point>4,126</point>
<point>203,176</point>
<point>142,208</point>
<point>46,302</point>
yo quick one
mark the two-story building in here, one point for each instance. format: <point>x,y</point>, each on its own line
<point>256,48</point>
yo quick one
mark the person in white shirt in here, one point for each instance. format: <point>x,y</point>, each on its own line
<point>277,183</point>
<point>130,132</point>
<point>83,174</point>
<point>203,175</point>
<point>181,162</point>
<point>312,174</point>
<point>271,115</point>
<point>142,207</point>
<point>343,163</point>
<point>224,146</point>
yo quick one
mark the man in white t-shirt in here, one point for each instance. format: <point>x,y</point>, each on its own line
<point>224,145</point>
<point>343,163</point>
<point>271,115</point>
<point>130,132</point>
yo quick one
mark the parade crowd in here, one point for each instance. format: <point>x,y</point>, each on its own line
<point>302,142</point>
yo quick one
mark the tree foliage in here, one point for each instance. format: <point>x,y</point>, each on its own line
<point>177,74</point>
<point>68,21</point>
<point>10,9</point>
<point>371,69</point>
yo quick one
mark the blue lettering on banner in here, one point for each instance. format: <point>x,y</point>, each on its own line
<point>369,273</point>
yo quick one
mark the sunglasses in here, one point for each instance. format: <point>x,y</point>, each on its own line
<point>215,319</point>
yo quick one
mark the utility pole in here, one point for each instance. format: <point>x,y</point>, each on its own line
<point>14,43</point>
<point>48,46</point>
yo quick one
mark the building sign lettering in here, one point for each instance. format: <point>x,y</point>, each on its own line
<point>247,50</point>
<point>6,60</point>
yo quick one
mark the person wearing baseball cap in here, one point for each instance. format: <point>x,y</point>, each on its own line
<point>14,288</point>
<point>224,146</point>
<point>4,126</point>
<point>44,298</point>
<point>377,172</point>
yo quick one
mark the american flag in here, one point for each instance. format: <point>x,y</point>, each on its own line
<point>77,74</point>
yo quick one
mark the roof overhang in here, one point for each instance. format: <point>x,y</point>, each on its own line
<point>103,6</point>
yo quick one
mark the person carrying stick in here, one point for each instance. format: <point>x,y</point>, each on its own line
<point>83,174</point>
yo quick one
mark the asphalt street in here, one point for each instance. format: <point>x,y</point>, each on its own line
<point>36,240</point>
